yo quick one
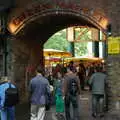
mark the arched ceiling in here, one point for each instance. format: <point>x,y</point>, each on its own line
<point>43,28</point>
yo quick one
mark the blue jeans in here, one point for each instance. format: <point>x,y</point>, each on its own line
<point>97,103</point>
<point>8,113</point>
<point>70,99</point>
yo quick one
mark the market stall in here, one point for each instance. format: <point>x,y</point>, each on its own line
<point>53,56</point>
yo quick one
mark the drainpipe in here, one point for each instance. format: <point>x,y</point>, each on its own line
<point>3,35</point>
<point>5,53</point>
<point>5,7</point>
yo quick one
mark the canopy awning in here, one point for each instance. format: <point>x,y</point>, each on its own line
<point>77,59</point>
<point>56,53</point>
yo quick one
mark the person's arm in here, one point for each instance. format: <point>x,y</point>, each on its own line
<point>29,90</point>
<point>64,90</point>
<point>78,83</point>
<point>90,80</point>
<point>106,82</point>
<point>48,87</point>
<point>2,95</point>
<point>1,98</point>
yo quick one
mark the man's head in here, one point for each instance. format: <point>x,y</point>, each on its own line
<point>99,69</point>
<point>69,69</point>
<point>39,70</point>
<point>71,63</point>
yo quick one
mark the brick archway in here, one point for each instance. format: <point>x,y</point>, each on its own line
<point>32,27</point>
<point>37,10</point>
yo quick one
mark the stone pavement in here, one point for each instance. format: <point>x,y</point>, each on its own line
<point>22,111</point>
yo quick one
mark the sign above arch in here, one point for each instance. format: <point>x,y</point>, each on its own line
<point>39,8</point>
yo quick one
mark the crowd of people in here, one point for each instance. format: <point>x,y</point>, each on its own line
<point>61,86</point>
<point>67,82</point>
<point>83,70</point>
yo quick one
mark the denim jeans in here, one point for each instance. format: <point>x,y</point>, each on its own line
<point>69,99</point>
<point>97,103</point>
<point>8,113</point>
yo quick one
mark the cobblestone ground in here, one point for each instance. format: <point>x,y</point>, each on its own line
<point>22,111</point>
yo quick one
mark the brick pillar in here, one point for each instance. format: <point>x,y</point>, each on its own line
<point>24,56</point>
<point>113,90</point>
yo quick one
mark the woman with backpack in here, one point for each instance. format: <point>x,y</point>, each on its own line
<point>5,112</point>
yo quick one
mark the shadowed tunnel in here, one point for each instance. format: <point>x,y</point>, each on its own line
<point>44,27</point>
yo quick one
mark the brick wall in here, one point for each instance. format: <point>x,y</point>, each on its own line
<point>23,57</point>
<point>109,8</point>
<point>113,70</point>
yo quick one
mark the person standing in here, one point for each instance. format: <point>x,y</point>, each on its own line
<point>59,95</point>
<point>82,75</point>
<point>98,82</point>
<point>39,87</point>
<point>72,67</point>
<point>71,92</point>
<point>5,112</point>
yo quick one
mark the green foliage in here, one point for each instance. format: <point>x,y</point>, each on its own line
<point>58,41</point>
<point>80,48</point>
<point>85,34</point>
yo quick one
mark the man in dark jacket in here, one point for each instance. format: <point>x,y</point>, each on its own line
<point>71,91</point>
<point>39,87</point>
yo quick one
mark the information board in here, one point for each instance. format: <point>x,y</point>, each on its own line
<point>114,45</point>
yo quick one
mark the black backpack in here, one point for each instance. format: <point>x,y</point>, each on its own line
<point>11,96</point>
<point>73,87</point>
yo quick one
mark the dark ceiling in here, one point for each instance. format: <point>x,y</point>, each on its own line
<point>43,28</point>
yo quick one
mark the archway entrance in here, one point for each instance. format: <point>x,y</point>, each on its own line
<point>31,32</point>
<point>40,20</point>
<point>33,26</point>
<point>40,27</point>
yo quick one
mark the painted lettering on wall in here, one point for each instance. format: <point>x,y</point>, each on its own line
<point>56,5</point>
